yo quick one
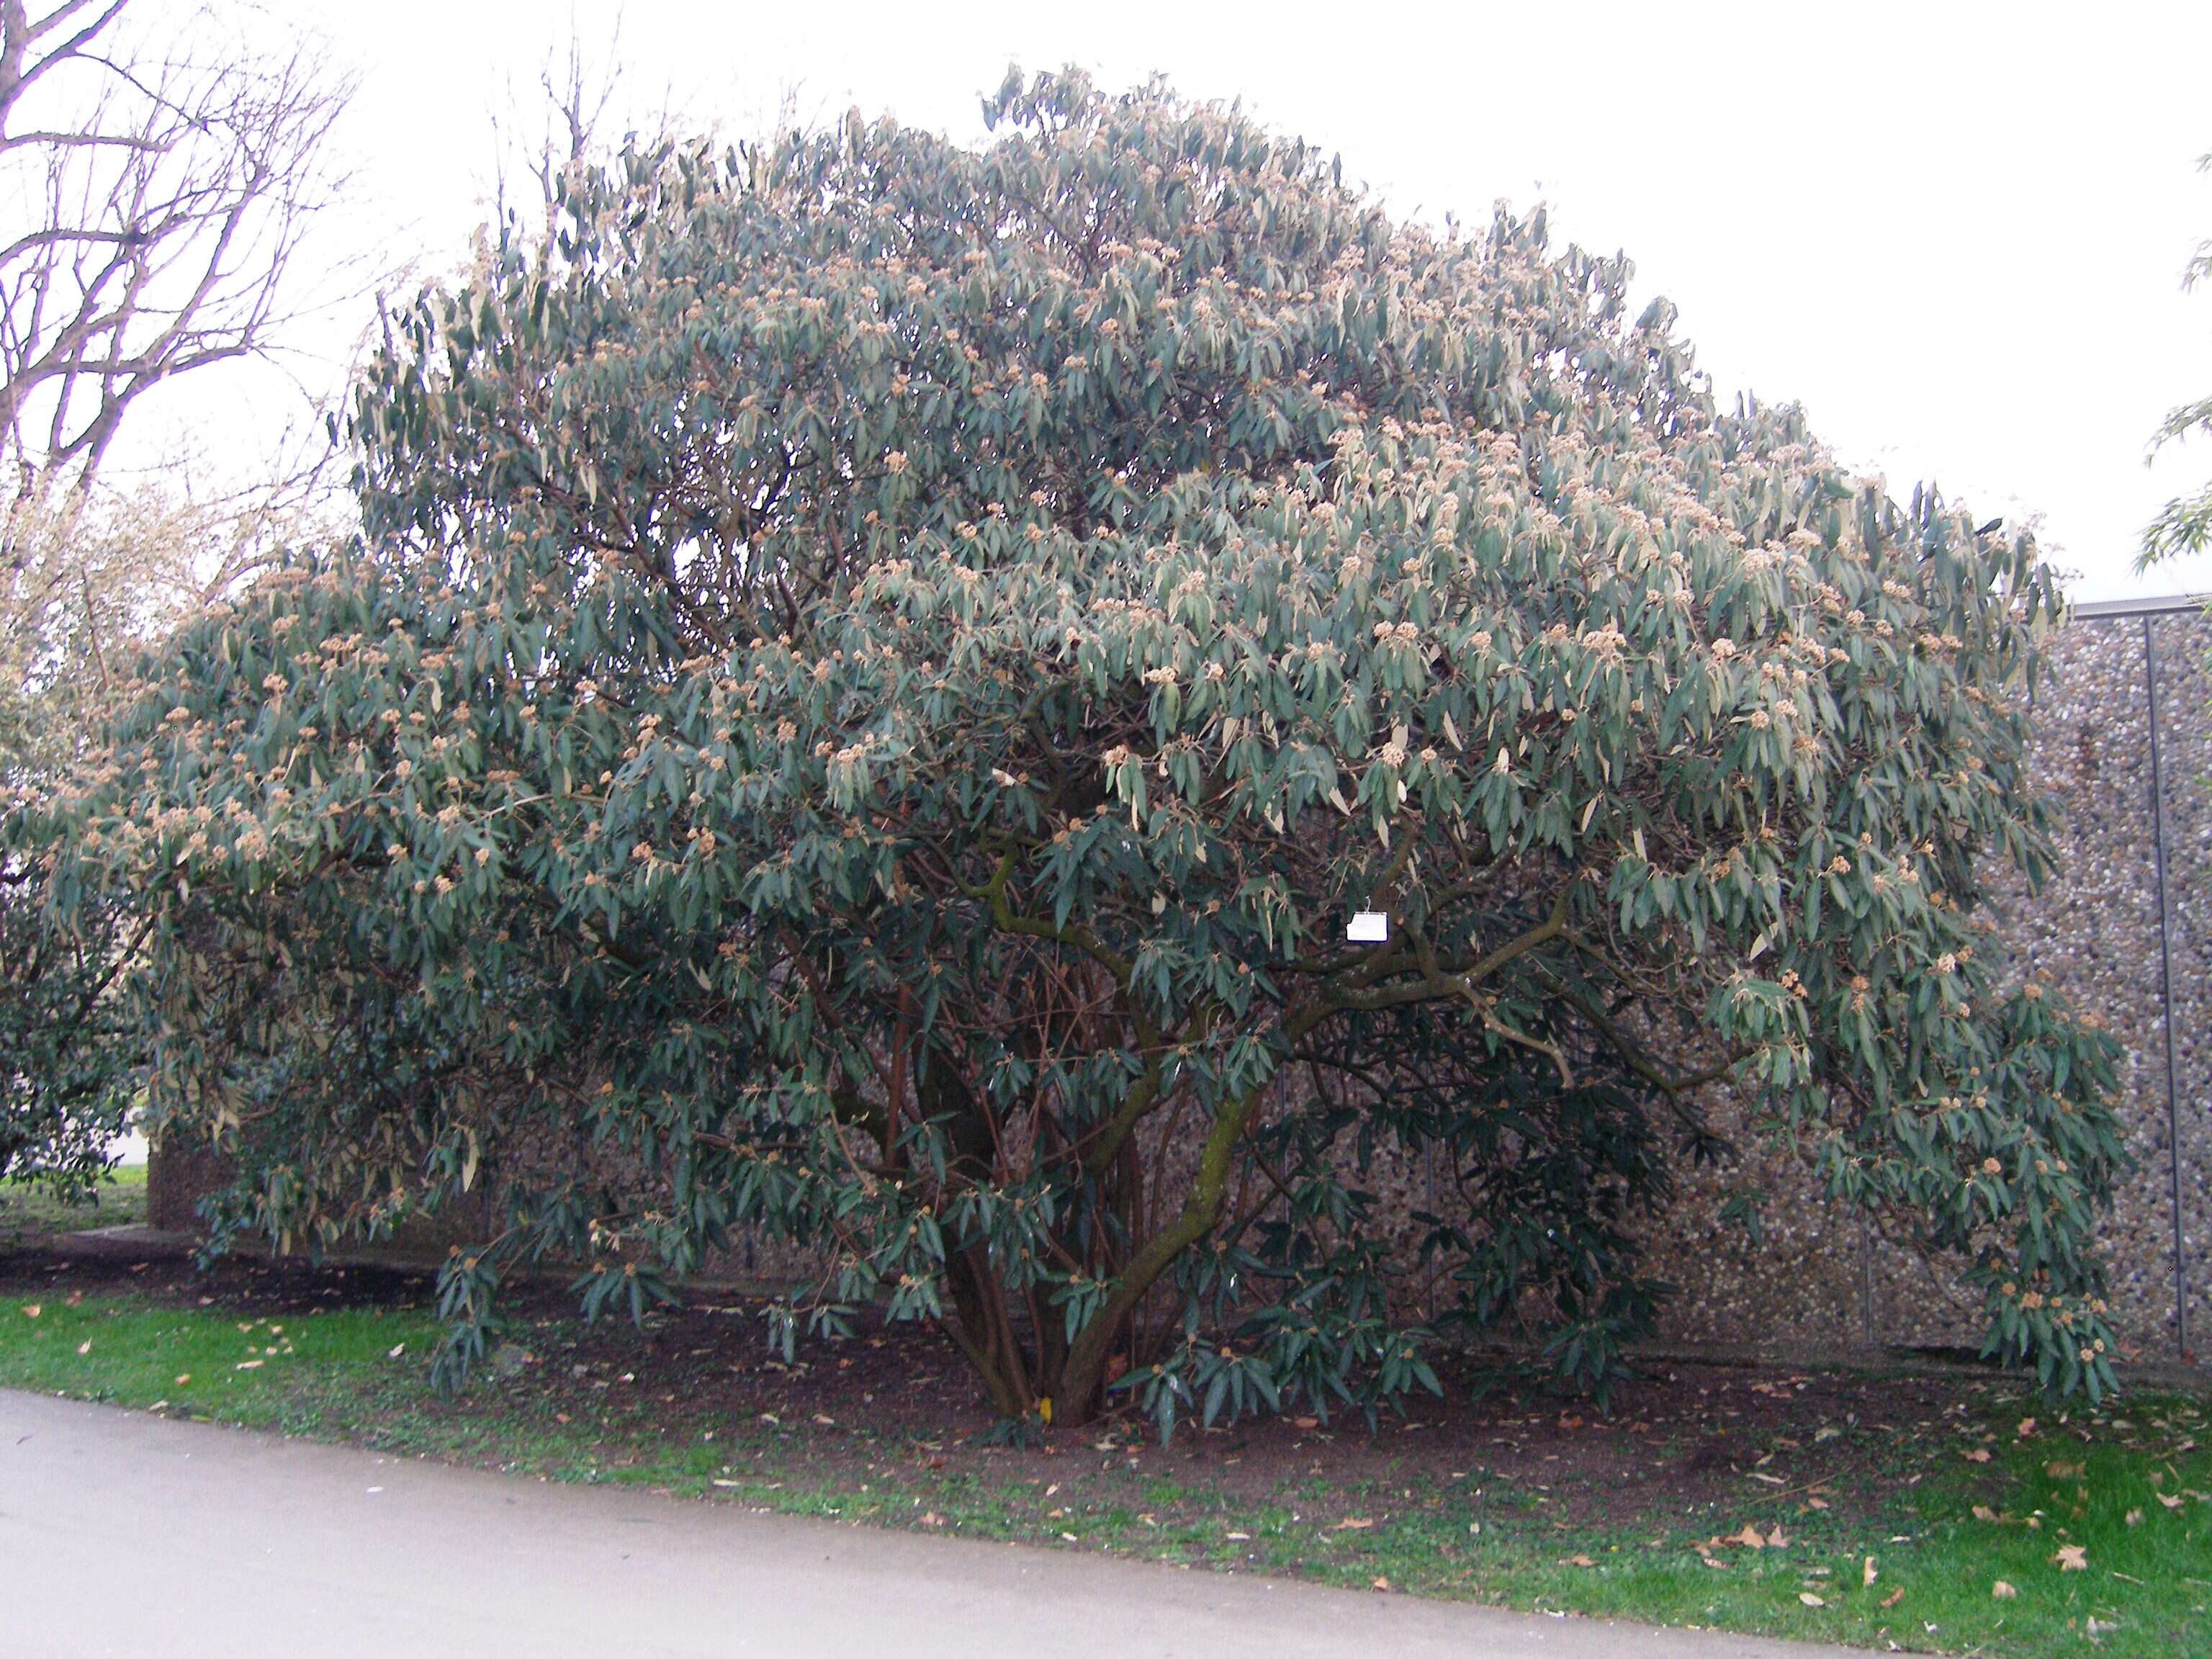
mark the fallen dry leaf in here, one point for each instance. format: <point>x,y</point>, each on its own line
<point>1353,1523</point>
<point>2170,1503</point>
<point>1380,1583</point>
<point>2072,1557</point>
<point>1867,1574</point>
<point>2026,1430</point>
<point>249,1365</point>
<point>1305,1422</point>
<point>1979,1454</point>
<point>2002,1591</point>
<point>32,1309</point>
<point>1894,1597</point>
<point>183,1378</point>
<point>1580,1561</point>
<point>1750,1535</point>
<point>2134,1517</point>
<point>1984,1512</point>
<point>1810,1600</point>
<point>1816,1503</point>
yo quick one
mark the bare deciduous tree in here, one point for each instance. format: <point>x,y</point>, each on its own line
<point>154,189</point>
<point>152,197</point>
<point>584,94</point>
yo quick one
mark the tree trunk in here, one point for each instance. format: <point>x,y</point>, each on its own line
<point>985,1336</point>
<point>1083,1381</point>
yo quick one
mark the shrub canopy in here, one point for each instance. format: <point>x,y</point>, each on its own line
<point>875,673</point>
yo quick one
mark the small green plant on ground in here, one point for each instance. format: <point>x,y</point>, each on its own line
<point>1945,1514</point>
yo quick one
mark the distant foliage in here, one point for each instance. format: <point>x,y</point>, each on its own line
<point>86,580</point>
<point>2183,524</point>
<point>875,673</point>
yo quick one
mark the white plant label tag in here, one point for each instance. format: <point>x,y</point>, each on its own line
<point>1369,928</point>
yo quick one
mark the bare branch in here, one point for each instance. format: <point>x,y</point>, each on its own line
<point>164,195</point>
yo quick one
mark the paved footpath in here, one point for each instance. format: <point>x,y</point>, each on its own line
<point>129,1535</point>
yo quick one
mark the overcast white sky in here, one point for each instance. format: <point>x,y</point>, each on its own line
<point>1954,232</point>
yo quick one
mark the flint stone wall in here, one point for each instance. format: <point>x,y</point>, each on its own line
<point>1825,1279</point>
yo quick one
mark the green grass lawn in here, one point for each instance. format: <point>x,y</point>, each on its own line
<point>121,1201</point>
<point>1912,1556</point>
<point>306,1373</point>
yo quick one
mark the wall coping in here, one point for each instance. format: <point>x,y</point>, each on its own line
<point>2158,607</point>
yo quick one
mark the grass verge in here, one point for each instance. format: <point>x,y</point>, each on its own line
<point>1975,1528</point>
<point>27,1212</point>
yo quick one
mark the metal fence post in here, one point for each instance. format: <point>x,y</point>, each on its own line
<point>2165,991</point>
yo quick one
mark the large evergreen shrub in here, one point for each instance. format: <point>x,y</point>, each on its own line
<point>875,673</point>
